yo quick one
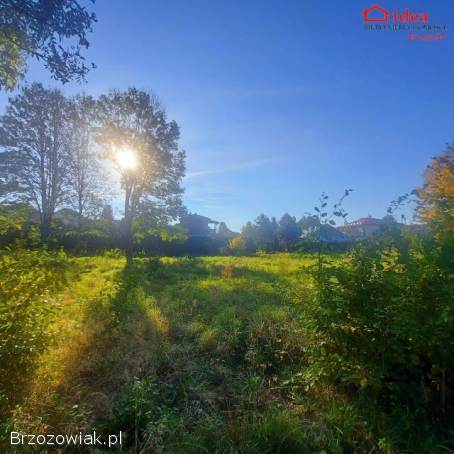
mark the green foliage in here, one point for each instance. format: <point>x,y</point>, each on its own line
<point>382,323</point>
<point>27,305</point>
<point>37,29</point>
<point>113,254</point>
<point>236,246</point>
<point>436,196</point>
<point>49,161</point>
<point>288,231</point>
<point>34,141</point>
<point>252,354</point>
<point>261,234</point>
<point>15,224</point>
<point>265,234</point>
<point>318,228</point>
<point>166,234</point>
<point>12,61</point>
<point>135,120</point>
<point>86,181</point>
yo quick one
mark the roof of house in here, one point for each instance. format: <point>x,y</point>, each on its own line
<point>367,221</point>
<point>328,234</point>
<point>198,218</point>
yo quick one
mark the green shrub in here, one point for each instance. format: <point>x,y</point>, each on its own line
<point>113,254</point>
<point>27,282</point>
<point>382,324</point>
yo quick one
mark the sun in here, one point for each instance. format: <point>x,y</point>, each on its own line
<point>126,159</point>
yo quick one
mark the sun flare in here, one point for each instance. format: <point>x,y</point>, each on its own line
<point>126,159</point>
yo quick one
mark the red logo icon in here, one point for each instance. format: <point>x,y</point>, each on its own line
<point>377,13</point>
<point>368,12</point>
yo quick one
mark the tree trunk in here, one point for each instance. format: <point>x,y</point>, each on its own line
<point>80,210</point>
<point>128,239</point>
<point>128,227</point>
<point>443,390</point>
<point>45,228</point>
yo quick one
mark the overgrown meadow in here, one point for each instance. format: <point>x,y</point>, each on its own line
<point>233,354</point>
<point>166,326</point>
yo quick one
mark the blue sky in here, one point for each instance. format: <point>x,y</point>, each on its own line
<point>279,101</point>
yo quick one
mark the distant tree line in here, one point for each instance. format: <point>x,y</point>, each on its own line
<point>54,185</point>
<point>266,234</point>
<point>287,234</point>
<point>316,231</point>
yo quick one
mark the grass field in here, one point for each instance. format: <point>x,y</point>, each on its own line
<point>189,355</point>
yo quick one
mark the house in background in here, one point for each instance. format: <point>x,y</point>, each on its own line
<point>370,227</point>
<point>313,231</point>
<point>198,226</point>
<point>331,235</point>
<point>222,231</point>
<point>364,227</point>
<point>204,235</point>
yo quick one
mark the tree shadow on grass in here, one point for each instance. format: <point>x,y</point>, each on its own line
<point>120,339</point>
<point>182,334</point>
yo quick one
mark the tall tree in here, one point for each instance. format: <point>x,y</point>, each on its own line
<point>106,215</point>
<point>436,196</point>
<point>264,232</point>
<point>143,144</point>
<point>248,238</point>
<point>86,185</point>
<point>223,231</point>
<point>39,28</point>
<point>34,137</point>
<point>288,231</point>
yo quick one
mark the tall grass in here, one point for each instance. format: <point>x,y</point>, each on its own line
<point>221,354</point>
<point>28,282</point>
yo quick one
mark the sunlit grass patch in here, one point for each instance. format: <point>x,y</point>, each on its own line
<point>194,355</point>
